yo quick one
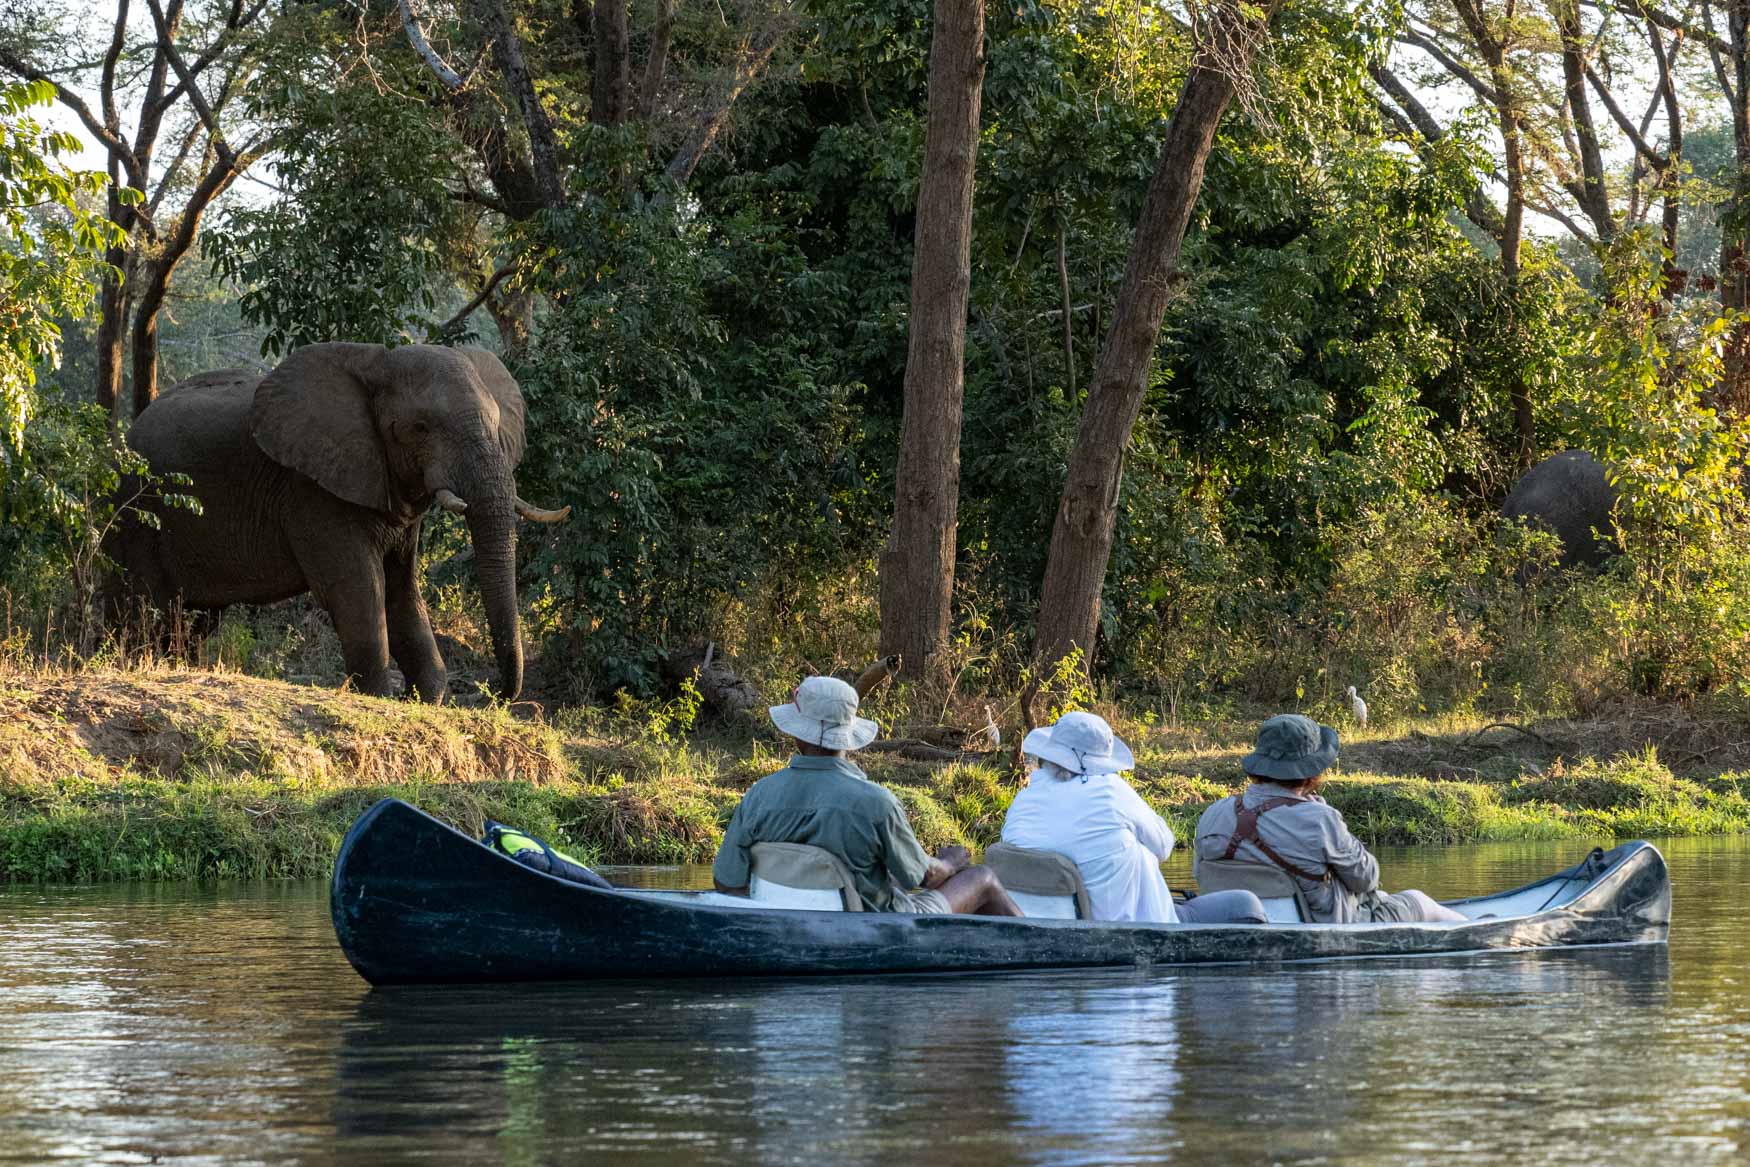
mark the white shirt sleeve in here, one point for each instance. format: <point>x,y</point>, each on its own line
<point>1151,829</point>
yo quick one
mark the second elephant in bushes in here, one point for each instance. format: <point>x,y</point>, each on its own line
<point>1569,494</point>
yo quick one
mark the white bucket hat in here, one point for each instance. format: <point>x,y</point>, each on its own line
<point>823,712</point>
<point>1081,743</point>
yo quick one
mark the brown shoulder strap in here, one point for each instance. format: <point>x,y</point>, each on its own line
<point>1246,831</point>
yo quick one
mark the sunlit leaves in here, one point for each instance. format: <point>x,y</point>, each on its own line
<point>49,253</point>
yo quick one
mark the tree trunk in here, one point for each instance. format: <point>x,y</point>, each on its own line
<point>611,86</point>
<point>1087,513</point>
<point>650,91</point>
<point>1492,47</point>
<point>112,323</point>
<point>507,53</point>
<point>917,568</point>
<point>145,348</point>
<point>1518,392</point>
<point>1593,194</point>
<point>514,314</point>
<point>154,275</point>
<point>1734,396</point>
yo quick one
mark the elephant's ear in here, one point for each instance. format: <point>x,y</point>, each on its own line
<point>313,413</point>
<point>503,388</point>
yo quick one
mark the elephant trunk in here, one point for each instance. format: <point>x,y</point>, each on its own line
<point>491,516</point>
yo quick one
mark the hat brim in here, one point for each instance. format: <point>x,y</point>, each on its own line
<point>851,735</point>
<point>1039,745</point>
<point>1295,769</point>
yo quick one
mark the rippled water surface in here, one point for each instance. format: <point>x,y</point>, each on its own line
<point>192,1025</point>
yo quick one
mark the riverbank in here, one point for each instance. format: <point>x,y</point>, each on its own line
<point>174,774</point>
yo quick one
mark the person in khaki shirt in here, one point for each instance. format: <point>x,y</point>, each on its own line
<point>1286,824</point>
<point>824,800</point>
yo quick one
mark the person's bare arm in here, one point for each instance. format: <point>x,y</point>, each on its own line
<point>730,891</point>
<point>946,864</point>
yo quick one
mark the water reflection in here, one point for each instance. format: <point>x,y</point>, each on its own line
<point>1047,1068</point>
<point>219,1026</point>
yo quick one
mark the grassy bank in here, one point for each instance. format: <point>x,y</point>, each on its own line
<point>169,774</point>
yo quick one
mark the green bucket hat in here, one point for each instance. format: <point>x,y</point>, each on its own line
<point>1292,748</point>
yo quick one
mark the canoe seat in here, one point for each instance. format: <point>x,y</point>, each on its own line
<point>797,875</point>
<point>1045,884</point>
<point>1284,902</point>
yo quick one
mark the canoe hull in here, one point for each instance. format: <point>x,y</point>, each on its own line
<point>414,901</point>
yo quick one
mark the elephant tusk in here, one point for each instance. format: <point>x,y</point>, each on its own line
<point>536,515</point>
<point>450,502</point>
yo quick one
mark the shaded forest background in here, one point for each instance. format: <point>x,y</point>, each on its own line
<point>1434,242</point>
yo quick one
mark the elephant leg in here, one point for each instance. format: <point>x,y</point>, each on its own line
<point>352,592</point>
<point>410,638</point>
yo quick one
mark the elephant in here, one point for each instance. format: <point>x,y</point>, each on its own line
<point>1570,494</point>
<point>314,478</point>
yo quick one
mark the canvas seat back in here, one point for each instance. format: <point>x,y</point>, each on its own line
<point>1045,884</point>
<point>797,875</point>
<point>1283,900</point>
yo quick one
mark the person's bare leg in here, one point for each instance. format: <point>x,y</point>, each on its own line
<point>976,891</point>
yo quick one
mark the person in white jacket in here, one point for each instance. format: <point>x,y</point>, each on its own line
<point>1076,804</point>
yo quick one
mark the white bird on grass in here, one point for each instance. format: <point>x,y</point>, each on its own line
<point>989,730</point>
<point>1358,707</point>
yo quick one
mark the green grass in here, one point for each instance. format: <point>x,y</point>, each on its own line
<point>191,775</point>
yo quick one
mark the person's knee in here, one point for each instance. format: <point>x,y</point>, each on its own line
<point>1431,910</point>
<point>1224,907</point>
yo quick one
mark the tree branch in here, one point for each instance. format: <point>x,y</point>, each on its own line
<point>236,22</point>
<point>167,42</point>
<point>1418,127</point>
<point>455,322</point>
<point>1622,120</point>
<point>1450,63</point>
<point>111,142</point>
<point>1716,51</point>
<point>451,79</point>
<point>1563,218</point>
<point>1665,20</point>
<point>507,51</point>
<point>753,61</point>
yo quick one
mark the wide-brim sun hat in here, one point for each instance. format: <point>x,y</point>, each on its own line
<point>823,712</point>
<point>1292,748</point>
<point>1081,743</point>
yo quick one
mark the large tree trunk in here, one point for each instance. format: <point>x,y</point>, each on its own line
<point>1492,47</point>
<point>1518,391</point>
<point>112,323</point>
<point>1734,395</point>
<point>507,53</point>
<point>1087,513</point>
<point>610,90</point>
<point>917,569</point>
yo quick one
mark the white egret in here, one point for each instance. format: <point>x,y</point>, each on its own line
<point>1358,707</point>
<point>989,730</point>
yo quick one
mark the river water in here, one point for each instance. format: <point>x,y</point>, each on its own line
<point>177,1024</point>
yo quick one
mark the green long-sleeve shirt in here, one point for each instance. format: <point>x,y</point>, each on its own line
<point>831,804</point>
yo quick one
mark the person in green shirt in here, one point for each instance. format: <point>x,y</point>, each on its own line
<point>823,799</point>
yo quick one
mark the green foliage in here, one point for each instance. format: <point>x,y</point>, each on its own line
<point>684,396</point>
<point>366,237</point>
<point>715,375</point>
<point>50,255</point>
<point>77,482</point>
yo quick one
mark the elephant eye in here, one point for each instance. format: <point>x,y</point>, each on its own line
<point>421,428</point>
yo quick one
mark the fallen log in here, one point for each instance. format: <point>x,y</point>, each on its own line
<point>724,692</point>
